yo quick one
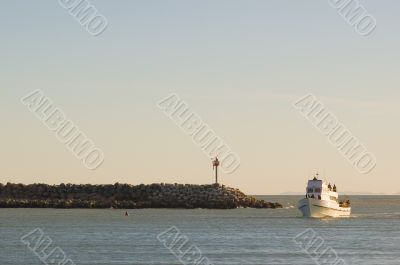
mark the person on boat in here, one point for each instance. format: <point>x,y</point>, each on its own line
<point>329,186</point>
<point>334,187</point>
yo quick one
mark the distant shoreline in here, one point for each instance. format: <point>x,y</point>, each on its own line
<point>343,194</point>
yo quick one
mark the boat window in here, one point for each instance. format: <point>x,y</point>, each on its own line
<point>318,190</point>
<point>333,198</point>
<point>309,190</point>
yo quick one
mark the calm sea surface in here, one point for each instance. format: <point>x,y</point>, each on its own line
<point>240,236</point>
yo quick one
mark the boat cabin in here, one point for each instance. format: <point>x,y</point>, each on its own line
<point>318,189</point>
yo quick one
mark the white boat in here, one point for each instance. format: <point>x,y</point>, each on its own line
<point>321,200</point>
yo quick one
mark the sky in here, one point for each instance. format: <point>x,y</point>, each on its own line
<point>239,65</point>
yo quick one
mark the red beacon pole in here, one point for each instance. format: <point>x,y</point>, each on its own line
<point>215,165</point>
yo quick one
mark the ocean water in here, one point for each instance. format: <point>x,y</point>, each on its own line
<point>240,236</point>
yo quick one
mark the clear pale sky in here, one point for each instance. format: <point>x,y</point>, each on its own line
<point>238,64</point>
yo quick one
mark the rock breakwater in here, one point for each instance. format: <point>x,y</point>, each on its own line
<point>127,196</point>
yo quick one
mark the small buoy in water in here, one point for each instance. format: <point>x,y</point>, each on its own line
<point>126,214</point>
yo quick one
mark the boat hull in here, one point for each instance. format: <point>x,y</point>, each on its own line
<point>319,209</point>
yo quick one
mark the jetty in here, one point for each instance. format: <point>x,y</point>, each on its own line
<point>126,196</point>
